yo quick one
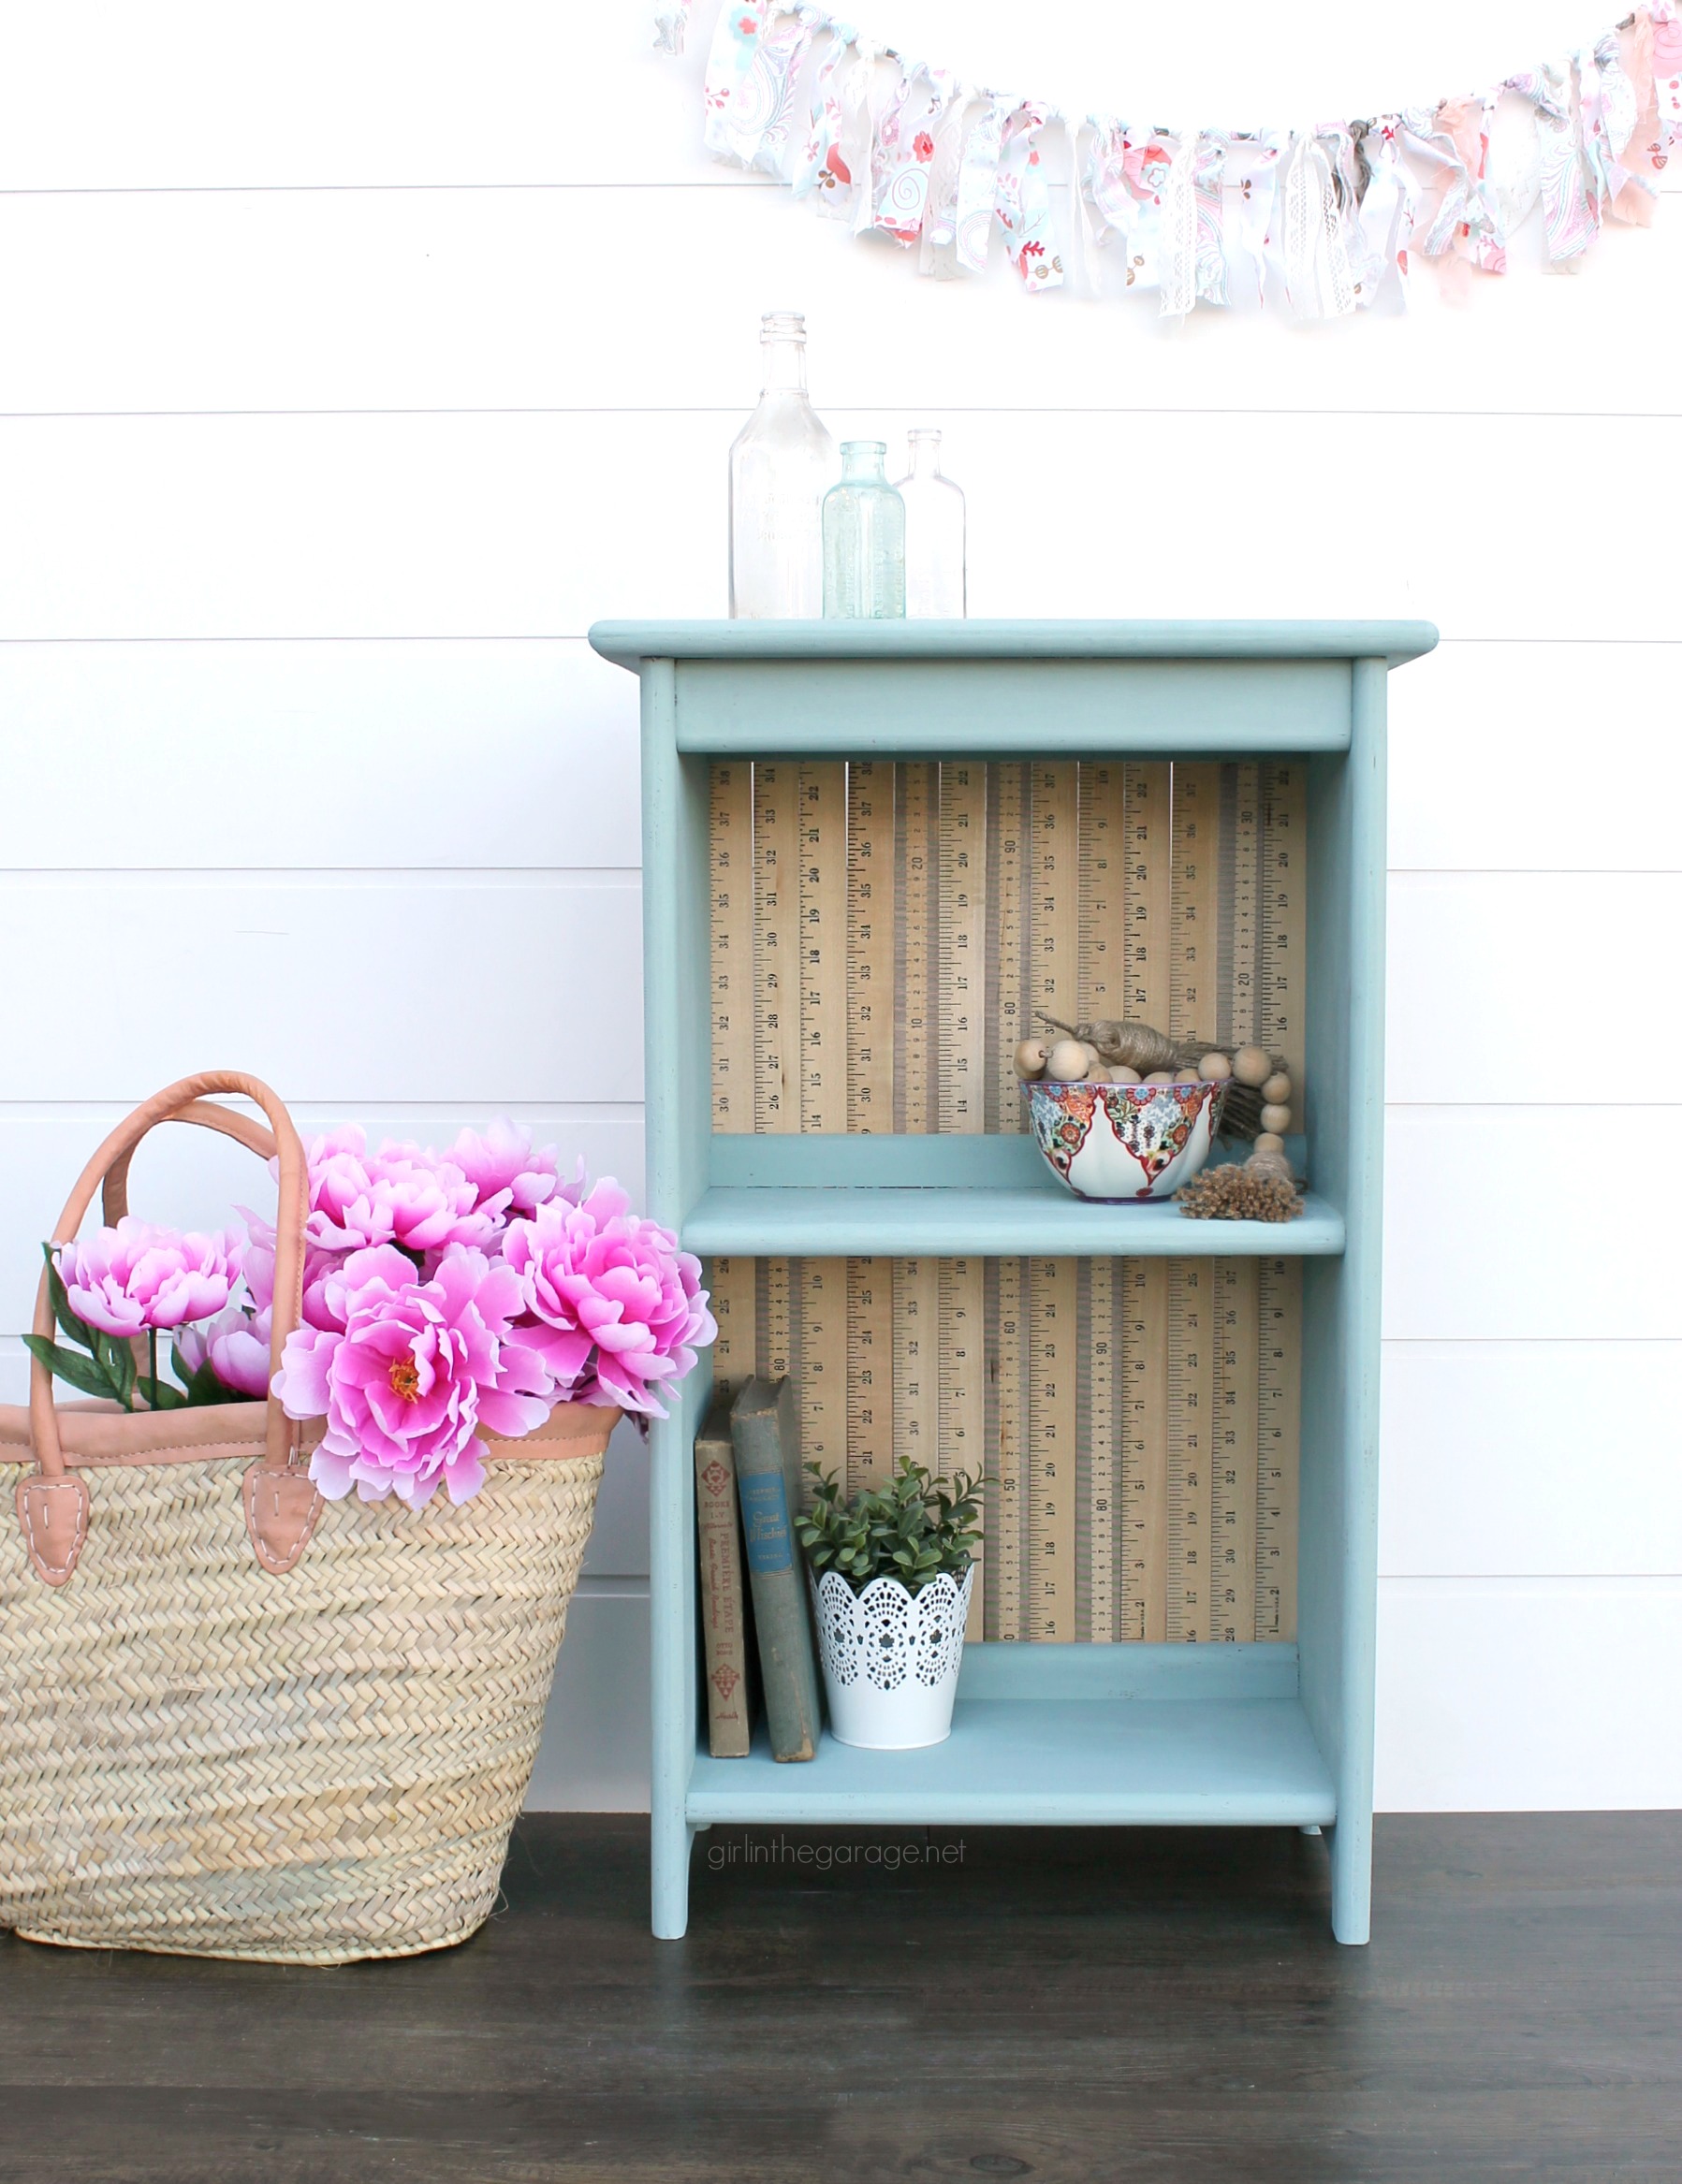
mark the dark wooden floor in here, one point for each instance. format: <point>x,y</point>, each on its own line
<point>1074,2007</point>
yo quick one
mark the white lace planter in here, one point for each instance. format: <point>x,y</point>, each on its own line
<point>891,1659</point>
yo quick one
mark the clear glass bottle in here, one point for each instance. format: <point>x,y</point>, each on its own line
<point>782,464</point>
<point>934,532</point>
<point>864,538</point>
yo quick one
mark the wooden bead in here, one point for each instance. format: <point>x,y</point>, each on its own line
<point>1067,1064</point>
<point>1277,1089</point>
<point>1252,1065</point>
<point>1271,1142</point>
<point>1187,1077</point>
<point>1160,1077</point>
<point>1276,1118</point>
<point>1122,1075</point>
<point>1031,1060</point>
<point>1214,1069</point>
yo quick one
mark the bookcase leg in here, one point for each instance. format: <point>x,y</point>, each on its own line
<point>1350,1845</point>
<point>672,1837</point>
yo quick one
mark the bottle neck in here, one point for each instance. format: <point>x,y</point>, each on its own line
<point>784,359</point>
<point>862,463</point>
<point>925,452</point>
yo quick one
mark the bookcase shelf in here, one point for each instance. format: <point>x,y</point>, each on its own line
<point>1252,1734</point>
<point>1044,1221</point>
<point>1161,1735</point>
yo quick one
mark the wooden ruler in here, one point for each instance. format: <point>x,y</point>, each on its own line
<point>1097,1595</point>
<point>1283,921</point>
<point>774,1299</point>
<point>963,1378</point>
<point>820,1367</point>
<point>870,945</point>
<point>1238,1367</point>
<point>1053,1372</point>
<point>1008,1019</point>
<point>1144,1449</point>
<point>823,946</point>
<point>1054,894</point>
<point>1191,1421</point>
<point>917,1361</point>
<point>776,948</point>
<point>1102,892</point>
<point>1149,901</point>
<point>733,1288</point>
<point>731,854</point>
<point>917,946</point>
<point>1007,1436</point>
<point>870,1373</point>
<point>1279,1420</point>
<point>1194,983</point>
<point>1240,900</point>
<point>960,1004</point>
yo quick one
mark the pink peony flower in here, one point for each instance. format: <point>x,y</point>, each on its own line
<point>135,1276</point>
<point>620,1308</point>
<point>420,1368</point>
<point>504,1168</point>
<point>400,1195</point>
<point>235,1345</point>
<point>319,1264</point>
<point>258,1259</point>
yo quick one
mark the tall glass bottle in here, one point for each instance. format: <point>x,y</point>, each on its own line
<point>864,538</point>
<point>781,465</point>
<point>934,532</point>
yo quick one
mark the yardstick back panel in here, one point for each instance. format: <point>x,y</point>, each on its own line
<point>885,934</point>
<point>1137,1419</point>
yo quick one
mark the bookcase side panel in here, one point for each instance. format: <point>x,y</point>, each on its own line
<point>1341,1297</point>
<point>676,1091</point>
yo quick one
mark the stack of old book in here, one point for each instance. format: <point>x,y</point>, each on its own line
<point>747,1501</point>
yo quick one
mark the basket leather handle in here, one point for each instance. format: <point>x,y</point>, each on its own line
<point>281,1504</point>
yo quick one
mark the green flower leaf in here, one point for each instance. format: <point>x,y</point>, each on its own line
<point>117,1361</point>
<point>82,1374</point>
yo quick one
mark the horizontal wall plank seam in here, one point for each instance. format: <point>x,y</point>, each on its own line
<point>581,637</point>
<point>615,875</point>
<point>379,189</point>
<point>1320,411</point>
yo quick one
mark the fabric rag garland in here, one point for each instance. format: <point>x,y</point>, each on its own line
<point>1326,217</point>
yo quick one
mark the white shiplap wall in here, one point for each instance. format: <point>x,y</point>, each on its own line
<point>356,359</point>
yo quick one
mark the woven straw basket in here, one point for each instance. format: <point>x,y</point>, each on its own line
<point>236,1721</point>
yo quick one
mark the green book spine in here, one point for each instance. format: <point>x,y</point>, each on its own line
<point>767,1439</point>
<point>723,1605</point>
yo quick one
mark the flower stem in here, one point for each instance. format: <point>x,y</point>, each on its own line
<point>151,1355</point>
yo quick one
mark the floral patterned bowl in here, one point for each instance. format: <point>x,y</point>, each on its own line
<point>1124,1141</point>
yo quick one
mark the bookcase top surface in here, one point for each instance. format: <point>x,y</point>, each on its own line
<point>630,644</point>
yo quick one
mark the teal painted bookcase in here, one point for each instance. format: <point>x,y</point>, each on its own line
<point>1265,1735</point>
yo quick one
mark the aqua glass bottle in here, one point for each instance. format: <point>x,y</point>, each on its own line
<point>781,466</point>
<point>934,532</point>
<point>864,539</point>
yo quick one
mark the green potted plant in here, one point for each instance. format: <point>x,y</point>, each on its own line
<point>891,1573</point>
